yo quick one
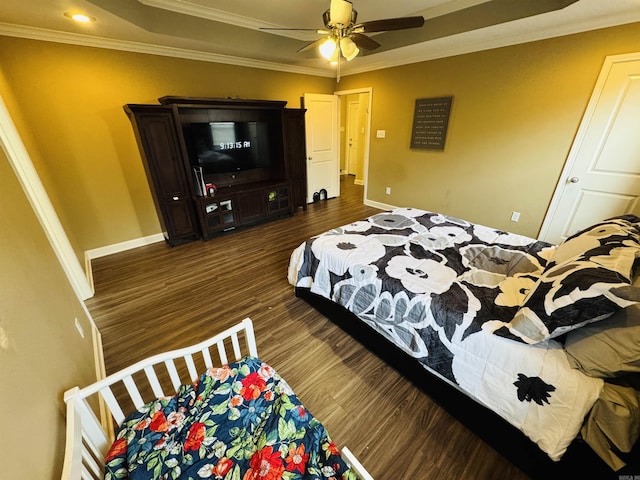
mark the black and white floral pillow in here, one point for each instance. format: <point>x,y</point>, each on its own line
<point>587,279</point>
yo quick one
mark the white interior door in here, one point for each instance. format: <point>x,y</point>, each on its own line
<point>602,176</point>
<point>353,134</point>
<point>323,163</point>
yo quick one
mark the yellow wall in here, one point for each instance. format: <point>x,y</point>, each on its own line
<point>41,353</point>
<point>81,140</point>
<point>514,116</point>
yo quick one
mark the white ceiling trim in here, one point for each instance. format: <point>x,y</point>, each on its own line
<point>202,11</point>
<point>196,10</point>
<point>35,33</point>
<point>478,40</point>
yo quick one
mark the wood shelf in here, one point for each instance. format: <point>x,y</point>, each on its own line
<point>242,199</point>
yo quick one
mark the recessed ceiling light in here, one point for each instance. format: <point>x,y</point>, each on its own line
<point>79,17</point>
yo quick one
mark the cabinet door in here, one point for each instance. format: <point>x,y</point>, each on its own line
<point>295,155</point>
<point>166,172</point>
<point>251,206</point>
<point>218,214</point>
<point>278,200</point>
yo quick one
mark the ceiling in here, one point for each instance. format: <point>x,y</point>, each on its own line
<point>230,31</point>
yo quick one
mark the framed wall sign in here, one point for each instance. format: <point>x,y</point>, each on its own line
<point>430,122</point>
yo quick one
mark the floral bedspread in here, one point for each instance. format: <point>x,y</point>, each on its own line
<point>437,286</point>
<point>237,422</point>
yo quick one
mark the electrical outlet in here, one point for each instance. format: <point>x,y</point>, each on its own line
<point>515,216</point>
<point>387,190</point>
<point>79,327</point>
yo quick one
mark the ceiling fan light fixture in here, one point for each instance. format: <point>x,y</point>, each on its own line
<point>344,37</point>
<point>328,48</point>
<point>340,12</point>
<point>349,49</point>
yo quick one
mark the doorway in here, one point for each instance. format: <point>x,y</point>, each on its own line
<point>354,107</point>
<point>329,128</point>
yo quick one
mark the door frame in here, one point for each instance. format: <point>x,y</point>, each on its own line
<point>609,61</point>
<point>367,136</point>
<point>350,120</point>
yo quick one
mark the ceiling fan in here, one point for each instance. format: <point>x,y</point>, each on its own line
<point>343,37</point>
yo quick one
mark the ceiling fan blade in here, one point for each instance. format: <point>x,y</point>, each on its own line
<point>317,30</point>
<point>309,46</point>
<point>390,24</point>
<point>362,41</point>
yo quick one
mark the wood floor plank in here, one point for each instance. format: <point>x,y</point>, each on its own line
<point>156,298</point>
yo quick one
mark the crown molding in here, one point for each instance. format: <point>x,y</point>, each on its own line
<point>479,40</point>
<point>47,35</point>
<point>202,11</point>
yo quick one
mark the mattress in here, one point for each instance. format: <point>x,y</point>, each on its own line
<point>438,287</point>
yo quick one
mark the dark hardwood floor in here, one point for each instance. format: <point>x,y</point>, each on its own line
<point>158,298</point>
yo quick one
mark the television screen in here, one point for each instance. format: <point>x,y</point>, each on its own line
<point>227,147</point>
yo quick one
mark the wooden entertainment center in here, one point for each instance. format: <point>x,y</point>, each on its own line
<point>202,186</point>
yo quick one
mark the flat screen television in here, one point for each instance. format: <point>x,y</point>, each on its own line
<point>226,148</point>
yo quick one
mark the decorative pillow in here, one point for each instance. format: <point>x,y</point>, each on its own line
<point>587,279</point>
<point>607,349</point>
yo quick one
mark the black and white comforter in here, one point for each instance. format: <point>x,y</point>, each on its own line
<point>437,287</point>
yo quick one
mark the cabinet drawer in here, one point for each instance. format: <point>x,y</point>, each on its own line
<point>251,206</point>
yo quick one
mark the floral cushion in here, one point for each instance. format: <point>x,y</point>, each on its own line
<point>587,279</point>
<point>238,421</point>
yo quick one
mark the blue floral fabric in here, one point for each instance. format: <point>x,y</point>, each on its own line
<point>241,421</point>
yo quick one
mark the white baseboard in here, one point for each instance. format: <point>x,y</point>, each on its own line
<point>122,246</point>
<point>380,205</point>
<point>358,182</point>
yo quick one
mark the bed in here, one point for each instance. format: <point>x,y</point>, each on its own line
<point>237,420</point>
<point>483,321</point>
